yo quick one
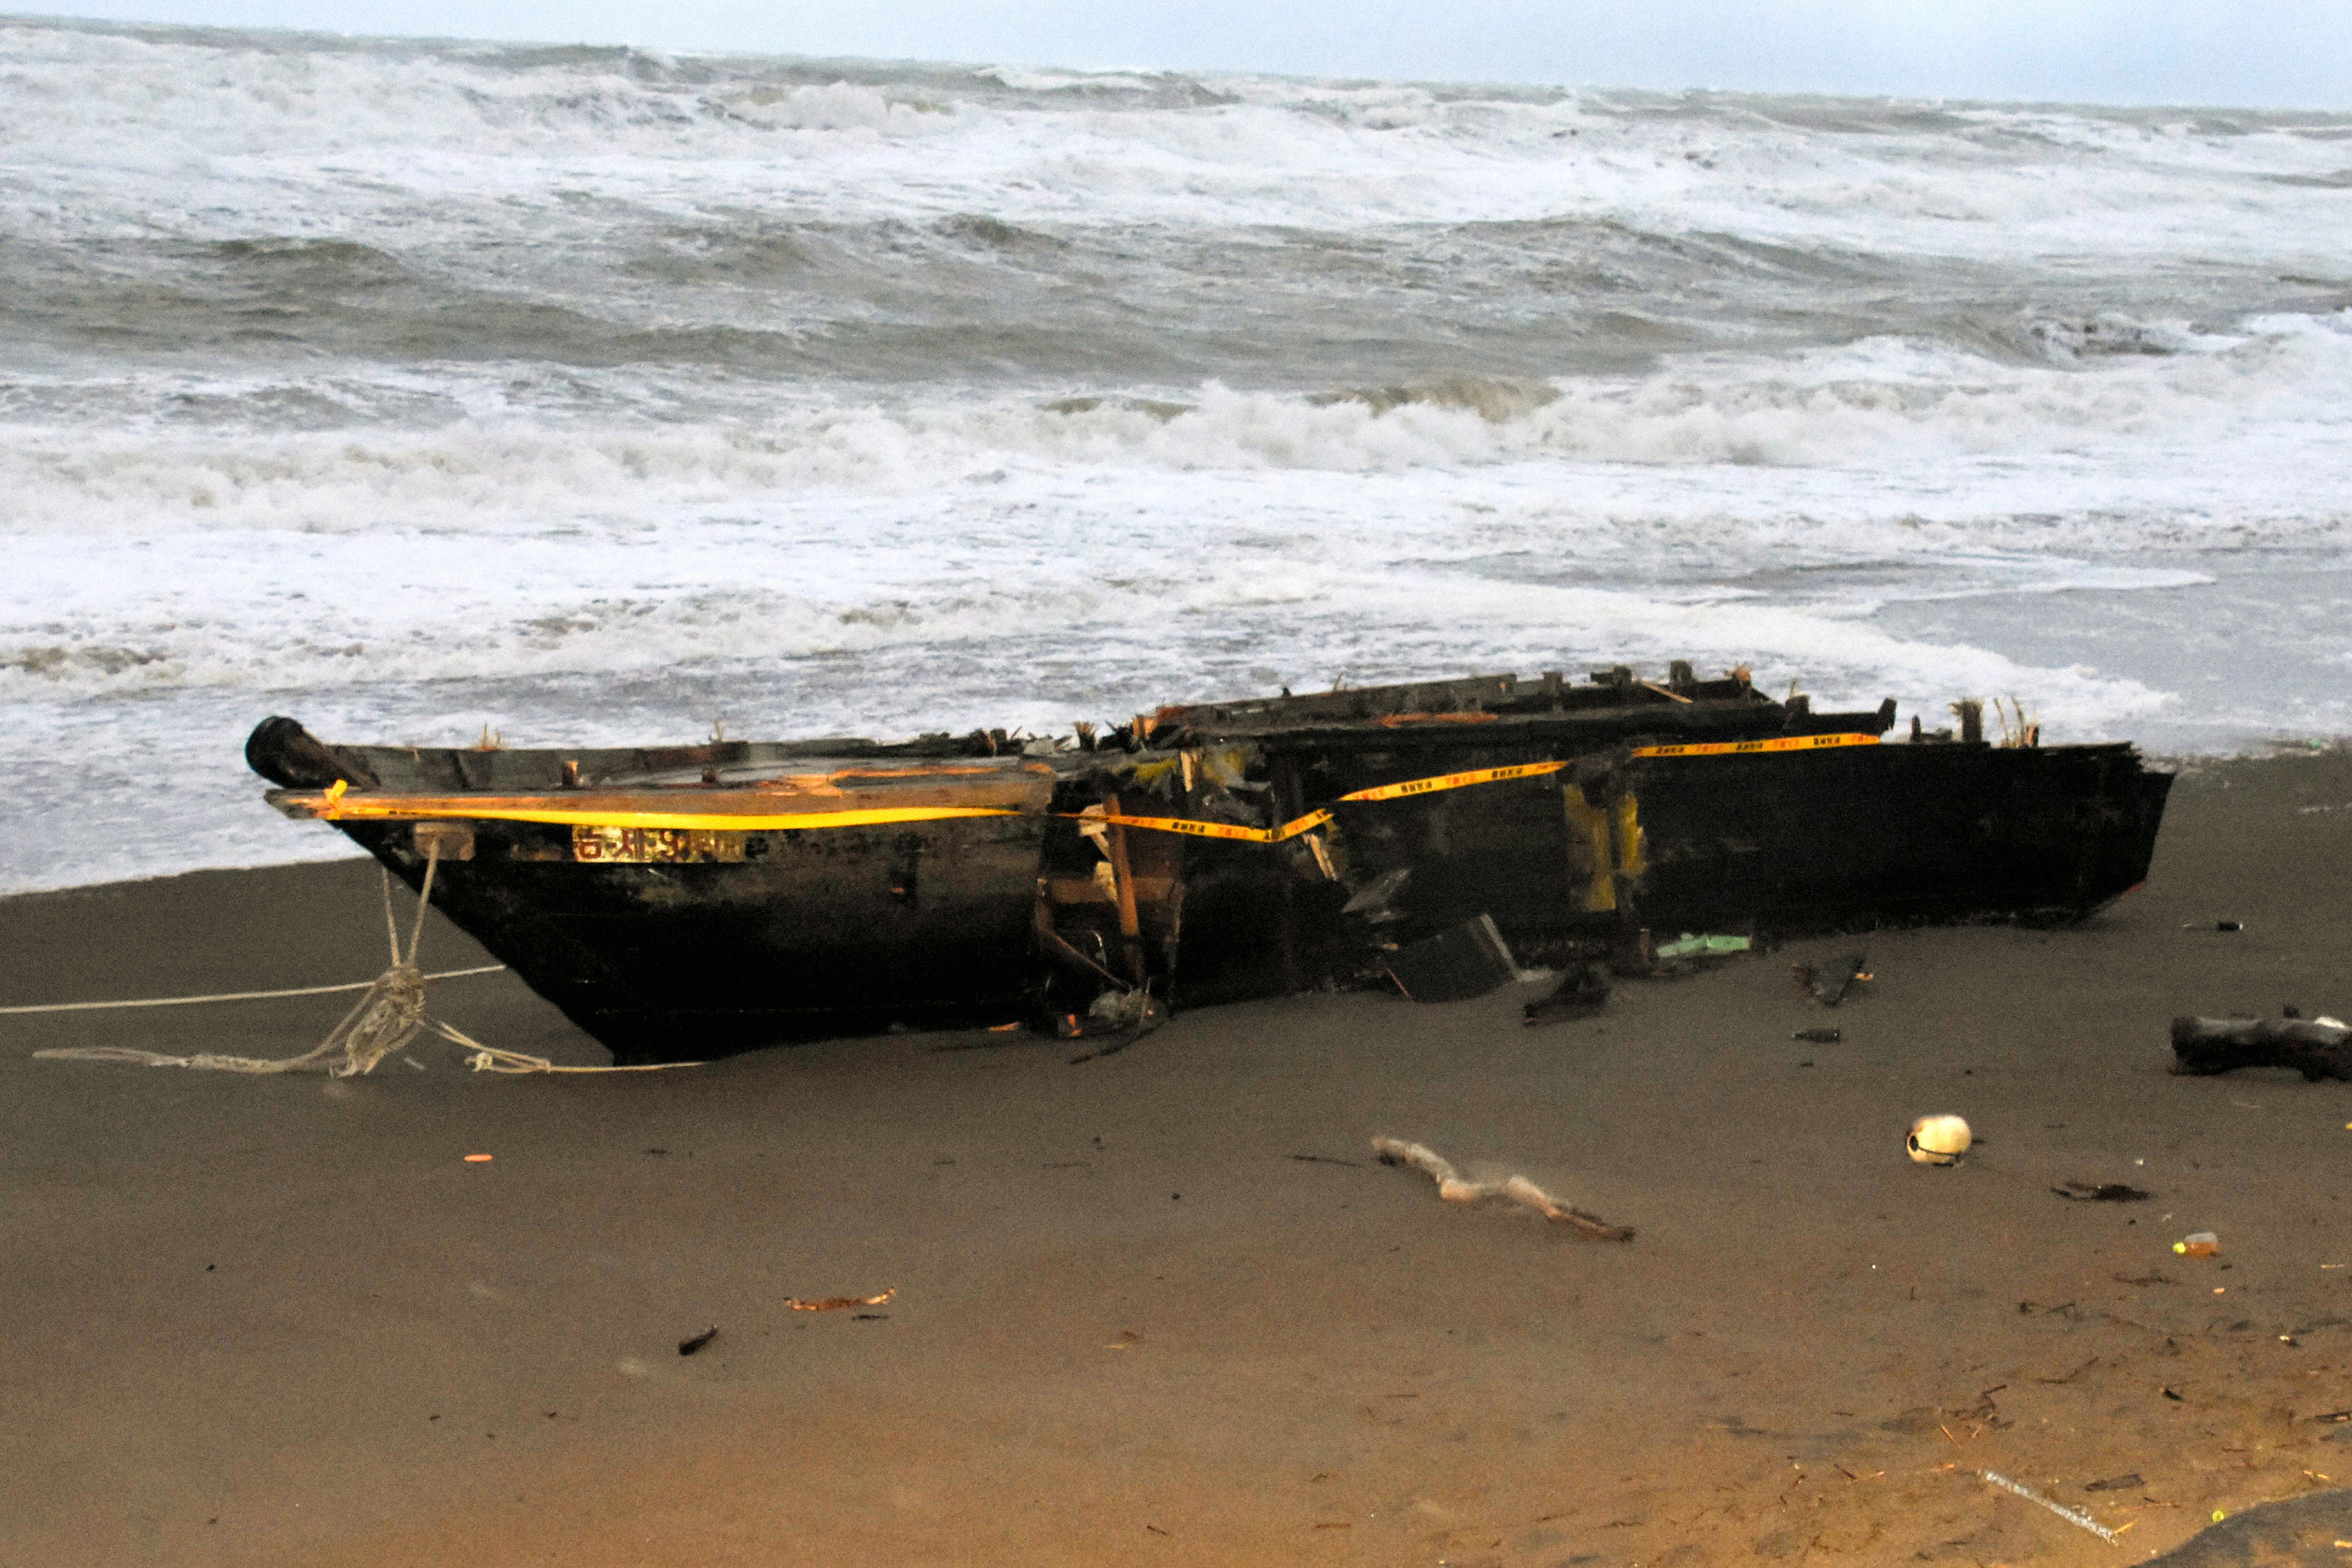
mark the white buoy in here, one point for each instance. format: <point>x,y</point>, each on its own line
<point>1938,1140</point>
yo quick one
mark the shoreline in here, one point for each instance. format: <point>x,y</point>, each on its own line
<point>1165,1303</point>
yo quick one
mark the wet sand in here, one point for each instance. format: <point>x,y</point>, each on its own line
<point>283,1320</point>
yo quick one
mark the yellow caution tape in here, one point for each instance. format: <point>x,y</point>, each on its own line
<point>1298,826</point>
<point>1193,827</point>
<point>1741,748</point>
<point>1456,781</point>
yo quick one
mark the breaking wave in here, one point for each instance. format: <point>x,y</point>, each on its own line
<point>289,455</point>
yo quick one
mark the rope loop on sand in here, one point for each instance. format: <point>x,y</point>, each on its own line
<point>385,1021</point>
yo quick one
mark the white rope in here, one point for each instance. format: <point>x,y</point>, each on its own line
<point>239,996</point>
<point>380,1024</point>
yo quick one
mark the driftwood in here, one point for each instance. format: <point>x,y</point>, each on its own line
<point>2209,1045</point>
<point>1518,1189</point>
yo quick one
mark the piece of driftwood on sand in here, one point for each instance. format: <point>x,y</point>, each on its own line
<point>1454,1189</point>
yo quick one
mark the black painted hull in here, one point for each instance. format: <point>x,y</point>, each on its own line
<point>819,937</point>
<point>797,934</point>
<point>1838,839</point>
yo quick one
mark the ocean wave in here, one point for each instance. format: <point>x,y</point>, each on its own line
<point>382,117</point>
<point>1876,402</point>
<point>1138,613</point>
<point>890,224</point>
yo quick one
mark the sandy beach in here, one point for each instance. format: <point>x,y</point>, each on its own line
<point>1164,1305</point>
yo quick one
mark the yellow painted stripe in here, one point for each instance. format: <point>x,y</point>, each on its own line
<point>1744,748</point>
<point>335,806</point>
<point>1454,781</point>
<point>429,808</point>
<point>729,822</point>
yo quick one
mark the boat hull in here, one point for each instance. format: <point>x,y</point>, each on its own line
<point>1895,836</point>
<point>1835,839</point>
<point>1005,889</point>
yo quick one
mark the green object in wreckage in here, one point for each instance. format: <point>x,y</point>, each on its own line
<point>1702,946</point>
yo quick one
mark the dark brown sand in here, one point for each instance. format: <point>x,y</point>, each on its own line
<point>281,1321</point>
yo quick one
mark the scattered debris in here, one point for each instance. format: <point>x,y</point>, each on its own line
<point>694,1342</point>
<point>1132,1009</point>
<point>1327,1160</point>
<point>1583,993</point>
<point>1518,1189</point>
<point>1818,1036</point>
<point>2115,1483</point>
<point>839,1303</point>
<point>2102,1193</point>
<point>1376,902</point>
<point>2316,1047</point>
<point>1127,1015</point>
<point>1828,986</point>
<point>2073,1516</point>
<point>1465,961</point>
<point>1938,1140</point>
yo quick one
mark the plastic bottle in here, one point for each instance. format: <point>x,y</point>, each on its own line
<point>2203,1244</point>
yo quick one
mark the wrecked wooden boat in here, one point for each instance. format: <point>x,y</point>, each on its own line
<point>683,903</point>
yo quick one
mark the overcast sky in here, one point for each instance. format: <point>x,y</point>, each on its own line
<point>2286,53</point>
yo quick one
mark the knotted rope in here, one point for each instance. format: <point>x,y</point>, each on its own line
<point>382,1023</point>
